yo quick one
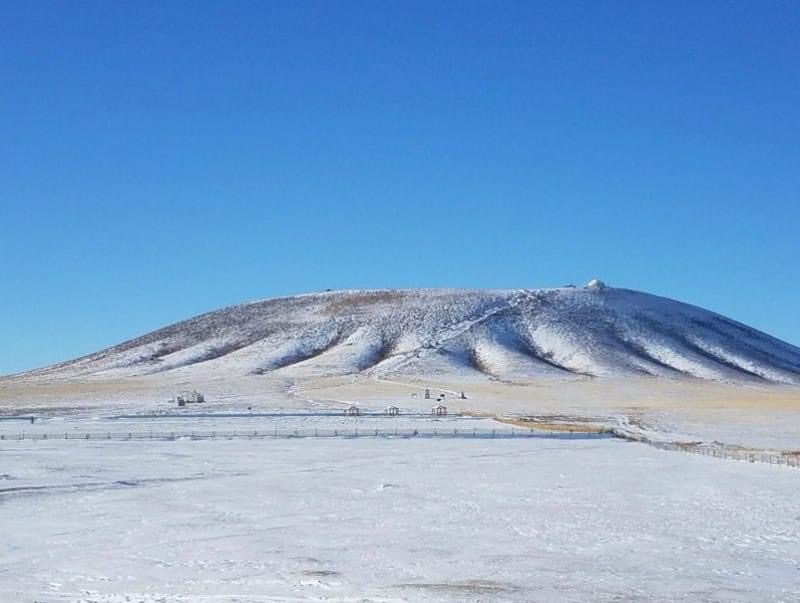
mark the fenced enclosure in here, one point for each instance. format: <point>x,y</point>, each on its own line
<point>304,433</point>
<point>710,450</point>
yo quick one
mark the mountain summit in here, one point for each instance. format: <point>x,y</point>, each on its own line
<point>514,335</point>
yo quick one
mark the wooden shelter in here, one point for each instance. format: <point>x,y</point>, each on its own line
<point>189,397</point>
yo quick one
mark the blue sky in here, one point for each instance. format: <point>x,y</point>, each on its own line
<point>161,159</point>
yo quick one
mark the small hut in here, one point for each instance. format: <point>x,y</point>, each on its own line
<point>190,397</point>
<point>352,411</point>
<point>392,411</point>
<point>440,410</point>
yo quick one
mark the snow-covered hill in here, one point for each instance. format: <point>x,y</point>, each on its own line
<point>516,335</point>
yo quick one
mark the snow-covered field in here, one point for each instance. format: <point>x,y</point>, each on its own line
<point>389,518</point>
<point>285,421</point>
<point>383,519</point>
<point>765,418</point>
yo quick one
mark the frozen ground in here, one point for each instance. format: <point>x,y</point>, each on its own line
<point>409,519</point>
<point>379,519</point>
<point>765,418</point>
<point>283,423</point>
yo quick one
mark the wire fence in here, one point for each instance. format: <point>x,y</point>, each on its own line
<point>720,451</point>
<point>777,458</point>
<point>304,433</point>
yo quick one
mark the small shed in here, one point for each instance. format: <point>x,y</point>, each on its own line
<point>392,411</point>
<point>440,410</point>
<point>189,397</point>
<point>352,411</point>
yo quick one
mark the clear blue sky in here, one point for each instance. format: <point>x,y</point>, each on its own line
<point>160,159</point>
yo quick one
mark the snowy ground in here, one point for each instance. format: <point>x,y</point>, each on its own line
<point>285,423</point>
<point>381,519</point>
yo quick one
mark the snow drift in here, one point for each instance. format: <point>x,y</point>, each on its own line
<point>514,335</point>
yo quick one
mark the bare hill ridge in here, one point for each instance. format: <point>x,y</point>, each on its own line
<point>515,335</point>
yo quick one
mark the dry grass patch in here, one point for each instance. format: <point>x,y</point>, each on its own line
<point>550,425</point>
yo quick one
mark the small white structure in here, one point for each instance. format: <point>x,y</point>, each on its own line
<point>596,283</point>
<point>189,397</point>
<point>352,411</point>
<point>440,410</point>
<point>392,411</point>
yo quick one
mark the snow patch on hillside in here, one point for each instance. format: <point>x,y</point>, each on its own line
<point>512,335</point>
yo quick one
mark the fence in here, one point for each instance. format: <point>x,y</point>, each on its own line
<point>719,451</point>
<point>716,451</point>
<point>304,433</point>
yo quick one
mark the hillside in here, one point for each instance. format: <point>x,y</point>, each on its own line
<point>512,335</point>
